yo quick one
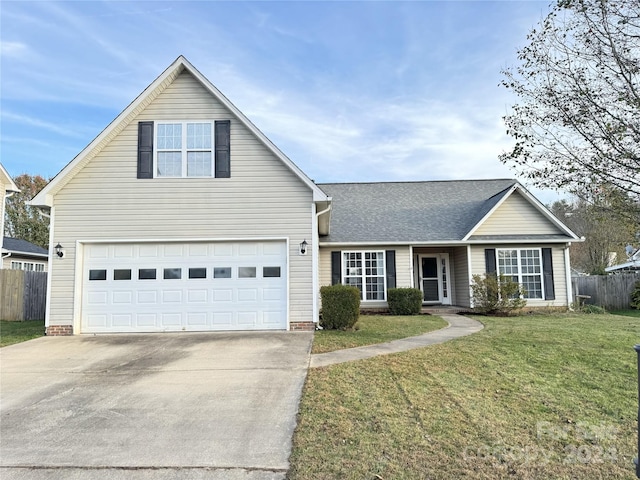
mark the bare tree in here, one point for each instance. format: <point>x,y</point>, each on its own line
<point>577,120</point>
<point>606,233</point>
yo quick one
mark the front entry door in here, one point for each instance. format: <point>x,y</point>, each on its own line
<point>434,278</point>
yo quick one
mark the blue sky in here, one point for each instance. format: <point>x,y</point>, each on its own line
<point>350,91</point>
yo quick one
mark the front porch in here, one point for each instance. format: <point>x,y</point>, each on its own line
<point>442,274</point>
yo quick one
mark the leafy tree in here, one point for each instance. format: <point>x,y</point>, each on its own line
<point>577,121</point>
<point>22,220</point>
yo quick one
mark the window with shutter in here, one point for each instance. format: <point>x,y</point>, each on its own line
<point>175,149</point>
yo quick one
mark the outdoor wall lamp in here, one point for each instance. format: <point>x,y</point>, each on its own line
<point>59,250</point>
<point>303,247</point>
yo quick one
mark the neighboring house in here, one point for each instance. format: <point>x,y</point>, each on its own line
<point>632,263</point>
<point>7,188</point>
<point>182,215</point>
<point>22,255</point>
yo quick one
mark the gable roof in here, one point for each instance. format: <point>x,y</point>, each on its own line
<point>7,180</point>
<point>45,197</point>
<point>419,212</point>
<point>15,245</point>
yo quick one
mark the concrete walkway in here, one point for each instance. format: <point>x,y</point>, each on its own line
<point>459,326</point>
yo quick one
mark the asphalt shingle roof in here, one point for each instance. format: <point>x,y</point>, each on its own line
<point>17,245</point>
<point>410,211</point>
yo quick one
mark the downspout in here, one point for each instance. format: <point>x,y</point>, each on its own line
<point>315,253</point>
<point>567,267</point>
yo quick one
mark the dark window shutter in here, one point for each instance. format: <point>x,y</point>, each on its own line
<point>490,261</point>
<point>390,268</point>
<point>547,271</point>
<point>223,148</point>
<point>336,268</point>
<point>145,149</point>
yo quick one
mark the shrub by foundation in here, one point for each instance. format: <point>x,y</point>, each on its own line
<point>493,294</point>
<point>404,301</point>
<point>340,307</point>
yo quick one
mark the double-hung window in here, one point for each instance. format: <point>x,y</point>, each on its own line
<point>525,267</point>
<point>365,270</point>
<point>184,149</point>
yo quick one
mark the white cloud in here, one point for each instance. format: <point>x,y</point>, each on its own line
<point>13,49</point>
<point>34,122</point>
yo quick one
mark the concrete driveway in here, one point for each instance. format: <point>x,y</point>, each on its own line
<point>174,406</point>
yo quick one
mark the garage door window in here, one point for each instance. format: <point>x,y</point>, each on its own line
<point>271,272</point>
<point>222,272</point>
<point>247,272</point>
<point>147,274</point>
<point>97,274</point>
<point>197,273</point>
<point>124,274</point>
<point>172,273</point>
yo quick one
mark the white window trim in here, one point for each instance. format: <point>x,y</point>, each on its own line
<point>24,265</point>
<point>520,274</point>
<point>184,148</point>
<point>363,275</point>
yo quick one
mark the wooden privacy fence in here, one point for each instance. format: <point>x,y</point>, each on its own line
<point>23,295</point>
<point>612,292</point>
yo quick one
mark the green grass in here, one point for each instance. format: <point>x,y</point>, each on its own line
<point>372,329</point>
<point>538,397</point>
<point>16,332</point>
<point>627,313</point>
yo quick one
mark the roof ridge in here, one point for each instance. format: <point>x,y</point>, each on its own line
<point>378,182</point>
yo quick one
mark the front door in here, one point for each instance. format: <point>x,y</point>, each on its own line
<point>434,278</point>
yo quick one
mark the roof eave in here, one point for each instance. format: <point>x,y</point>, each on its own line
<point>10,185</point>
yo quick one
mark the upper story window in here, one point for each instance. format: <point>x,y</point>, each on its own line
<point>184,149</point>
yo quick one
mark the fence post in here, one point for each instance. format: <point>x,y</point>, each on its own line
<point>637,460</point>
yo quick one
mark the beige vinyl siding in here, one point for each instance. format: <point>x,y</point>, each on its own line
<point>516,215</point>
<point>559,277</point>
<point>105,200</point>
<point>460,273</point>
<point>403,266</point>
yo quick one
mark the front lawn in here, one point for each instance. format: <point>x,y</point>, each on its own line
<point>538,397</point>
<point>627,313</point>
<point>372,329</point>
<point>16,332</point>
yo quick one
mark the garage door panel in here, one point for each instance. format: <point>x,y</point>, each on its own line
<point>146,319</point>
<point>98,298</point>
<point>222,295</point>
<point>197,296</point>
<point>122,320</point>
<point>147,296</point>
<point>171,296</point>
<point>184,286</point>
<point>197,318</point>
<point>222,319</point>
<point>122,298</point>
<point>123,251</point>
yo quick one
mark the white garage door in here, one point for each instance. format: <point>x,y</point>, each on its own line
<point>157,287</point>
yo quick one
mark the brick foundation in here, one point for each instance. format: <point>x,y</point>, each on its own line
<point>59,330</point>
<point>302,326</point>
